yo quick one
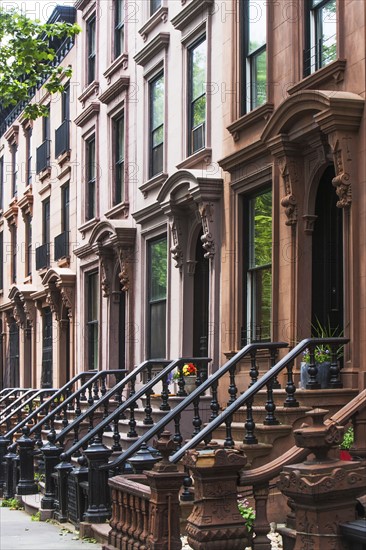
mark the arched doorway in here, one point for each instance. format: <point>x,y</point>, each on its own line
<point>327,257</point>
<point>200,301</point>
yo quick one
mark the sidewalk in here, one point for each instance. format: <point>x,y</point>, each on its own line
<point>19,532</point>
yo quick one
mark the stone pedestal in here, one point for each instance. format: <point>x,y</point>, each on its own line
<point>215,521</point>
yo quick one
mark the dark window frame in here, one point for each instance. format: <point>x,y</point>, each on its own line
<point>192,101</point>
<point>119,159</point>
<point>14,169</point>
<point>252,273</point>
<point>91,48</point>
<point>29,174</point>
<point>65,207</point>
<point>2,173</point>
<point>92,324</point>
<point>248,80</point>
<point>14,253</point>
<point>90,164</point>
<point>156,303</point>
<point>314,43</point>
<point>119,28</point>
<point>65,103</point>
<point>156,164</point>
<point>28,245</point>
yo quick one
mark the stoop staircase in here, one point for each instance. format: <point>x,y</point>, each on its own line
<point>96,429</point>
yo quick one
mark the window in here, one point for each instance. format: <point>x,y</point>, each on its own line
<point>65,105</point>
<point>92,319</point>
<point>154,6</point>
<point>119,29</point>
<point>258,271</point>
<point>43,153</point>
<point>28,245</point>
<point>119,164</point>
<point>197,61</point>
<point>90,177</point>
<point>321,35</point>
<point>46,230</point>
<point>14,250</point>
<point>156,125</point>
<point>254,68</point>
<point>1,183</point>
<point>91,51</point>
<point>14,170</point>
<point>157,287</point>
<point>29,156</point>
<point>65,214</point>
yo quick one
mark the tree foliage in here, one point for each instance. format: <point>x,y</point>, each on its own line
<point>27,52</point>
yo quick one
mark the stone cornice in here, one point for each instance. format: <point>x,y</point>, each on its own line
<point>244,155</point>
<point>160,15</point>
<point>195,9</point>
<point>115,89</point>
<point>334,70</point>
<point>260,113</point>
<point>120,62</point>
<point>152,48</point>
<point>12,134</point>
<point>91,111</point>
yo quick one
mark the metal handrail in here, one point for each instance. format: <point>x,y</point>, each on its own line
<point>108,395</point>
<point>35,394</point>
<point>250,392</point>
<point>205,385</point>
<point>12,391</point>
<point>129,402</point>
<point>15,404</point>
<point>71,397</point>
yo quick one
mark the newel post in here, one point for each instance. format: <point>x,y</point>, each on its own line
<point>165,482</point>
<point>215,521</point>
<point>323,490</point>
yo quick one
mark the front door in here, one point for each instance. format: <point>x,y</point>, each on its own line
<point>327,270</point>
<point>47,373</point>
<point>201,302</point>
<point>14,355</point>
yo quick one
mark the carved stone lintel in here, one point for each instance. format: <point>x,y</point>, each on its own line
<point>289,174</point>
<point>342,179</point>
<point>206,211</point>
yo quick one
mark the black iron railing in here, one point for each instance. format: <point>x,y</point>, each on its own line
<point>62,138</point>
<point>61,244</point>
<point>43,155</point>
<point>43,256</point>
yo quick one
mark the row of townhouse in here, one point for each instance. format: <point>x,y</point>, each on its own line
<point>198,185</point>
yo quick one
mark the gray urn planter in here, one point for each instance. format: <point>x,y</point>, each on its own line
<point>323,376</point>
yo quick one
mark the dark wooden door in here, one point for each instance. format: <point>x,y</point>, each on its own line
<point>327,268</point>
<point>201,301</point>
<point>14,355</point>
<point>47,370</point>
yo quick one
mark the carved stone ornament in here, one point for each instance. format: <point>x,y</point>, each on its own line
<point>206,211</point>
<point>125,258</point>
<point>18,313</point>
<point>53,299</point>
<point>30,311</point>
<point>176,248</point>
<point>289,174</point>
<point>105,277</point>
<point>342,180</point>
<point>67,297</point>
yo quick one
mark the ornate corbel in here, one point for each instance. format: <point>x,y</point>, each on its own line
<point>176,248</point>
<point>53,299</point>
<point>18,313</point>
<point>29,310</point>
<point>125,257</point>
<point>289,175</point>
<point>342,180</point>
<point>206,211</point>
<point>67,297</point>
<point>105,276</point>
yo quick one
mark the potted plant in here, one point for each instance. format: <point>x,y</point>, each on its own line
<point>189,372</point>
<point>346,444</point>
<point>322,355</point>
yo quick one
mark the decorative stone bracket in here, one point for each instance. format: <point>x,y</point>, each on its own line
<point>290,178</point>
<point>206,211</point>
<point>341,150</point>
<point>60,291</point>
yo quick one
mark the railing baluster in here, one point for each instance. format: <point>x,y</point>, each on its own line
<point>178,439</point>
<point>197,422</point>
<point>229,442</point>
<point>116,436</point>
<point>253,373</point>
<point>132,422</point>
<point>165,394</point>
<point>186,495</point>
<point>181,391</point>
<point>312,383</point>
<point>290,400</point>
<point>273,354</point>
<point>335,381</point>
<point>96,391</point>
<point>249,437</point>
<point>270,407</point>
<point>232,390</point>
<point>214,406</point>
<point>148,421</point>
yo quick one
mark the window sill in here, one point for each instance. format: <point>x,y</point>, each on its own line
<point>120,208</point>
<point>334,71</point>
<point>121,62</point>
<point>64,262</point>
<point>160,15</point>
<point>153,183</point>
<point>64,157</point>
<point>87,225</point>
<point>92,88</point>
<point>260,113</point>
<point>44,174</point>
<point>203,156</point>
<point>195,9</point>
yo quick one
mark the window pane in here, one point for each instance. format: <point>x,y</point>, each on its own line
<point>154,6</point>
<point>158,269</point>
<point>328,33</point>
<point>157,102</point>
<point>257,25</point>
<point>158,136</point>
<point>93,297</point>
<point>199,111</point>
<point>157,329</point>
<point>260,211</point>
<point>198,61</point>
<point>91,159</point>
<point>259,79</point>
<point>261,299</point>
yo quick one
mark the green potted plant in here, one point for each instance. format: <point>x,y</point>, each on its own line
<point>322,355</point>
<point>189,372</point>
<point>346,444</point>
